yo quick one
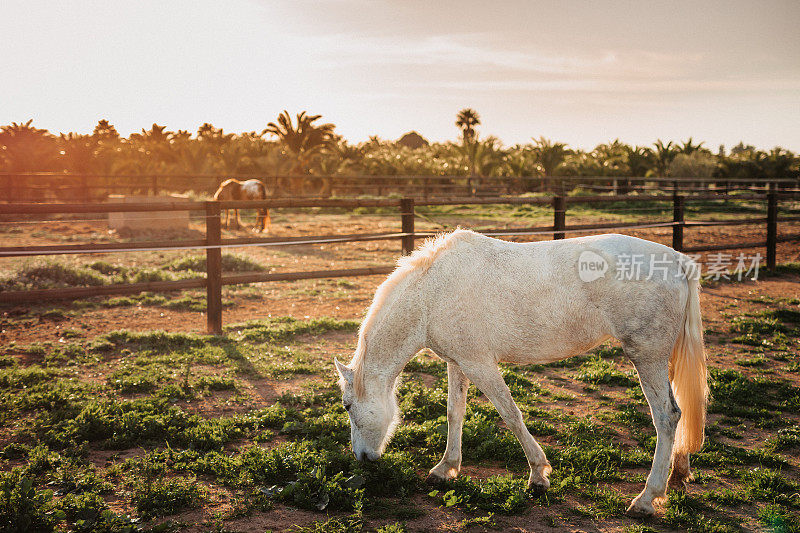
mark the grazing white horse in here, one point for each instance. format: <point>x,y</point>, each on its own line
<point>244,190</point>
<point>476,301</point>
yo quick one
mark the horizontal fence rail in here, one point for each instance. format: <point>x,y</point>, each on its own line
<point>44,186</point>
<point>404,207</point>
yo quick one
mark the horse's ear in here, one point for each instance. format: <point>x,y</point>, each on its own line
<point>344,371</point>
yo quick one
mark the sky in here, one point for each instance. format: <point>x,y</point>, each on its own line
<point>578,72</point>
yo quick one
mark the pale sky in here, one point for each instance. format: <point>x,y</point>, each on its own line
<point>576,72</point>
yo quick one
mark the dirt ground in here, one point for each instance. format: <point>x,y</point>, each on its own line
<point>348,299</point>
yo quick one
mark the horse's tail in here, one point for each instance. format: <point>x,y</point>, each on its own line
<point>687,369</point>
<point>223,187</point>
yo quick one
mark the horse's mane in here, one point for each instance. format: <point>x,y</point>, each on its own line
<point>419,261</point>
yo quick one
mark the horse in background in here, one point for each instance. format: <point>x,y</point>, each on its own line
<point>244,190</point>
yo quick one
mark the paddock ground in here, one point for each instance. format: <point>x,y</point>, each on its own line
<point>134,419</point>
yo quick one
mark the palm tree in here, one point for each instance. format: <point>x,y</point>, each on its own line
<point>688,147</point>
<point>108,146</point>
<point>779,163</point>
<point>303,141</point>
<point>215,138</point>
<point>664,154</point>
<point>105,131</point>
<point>25,148</point>
<point>641,161</point>
<point>466,120</point>
<point>520,163</point>
<point>78,152</point>
<point>550,156</point>
<point>613,158</point>
<point>488,157</point>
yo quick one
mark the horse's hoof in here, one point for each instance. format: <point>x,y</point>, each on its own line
<point>639,510</point>
<point>678,484</point>
<point>538,489</point>
<point>678,481</point>
<point>433,479</point>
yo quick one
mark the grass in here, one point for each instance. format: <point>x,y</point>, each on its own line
<point>50,274</point>
<point>230,263</point>
<point>598,371</point>
<point>163,497</point>
<point>251,422</point>
<point>56,273</point>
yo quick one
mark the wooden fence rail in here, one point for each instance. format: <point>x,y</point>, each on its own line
<point>88,187</point>
<point>214,243</point>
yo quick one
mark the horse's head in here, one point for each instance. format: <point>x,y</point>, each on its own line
<point>373,416</point>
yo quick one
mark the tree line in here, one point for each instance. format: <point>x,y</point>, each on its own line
<point>303,145</point>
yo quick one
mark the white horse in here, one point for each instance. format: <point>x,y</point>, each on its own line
<point>476,301</point>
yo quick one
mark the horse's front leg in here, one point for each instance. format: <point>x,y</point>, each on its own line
<point>457,386</point>
<point>488,379</point>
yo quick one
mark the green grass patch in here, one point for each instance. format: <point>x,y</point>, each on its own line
<point>162,497</point>
<point>599,371</point>
<point>281,329</point>
<point>230,263</point>
<point>50,274</point>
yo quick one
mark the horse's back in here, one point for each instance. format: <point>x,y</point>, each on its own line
<point>534,301</point>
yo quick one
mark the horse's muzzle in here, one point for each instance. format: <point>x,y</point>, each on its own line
<point>366,456</point>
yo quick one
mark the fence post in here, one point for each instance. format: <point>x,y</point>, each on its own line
<point>677,217</point>
<point>772,229</point>
<point>407,224</point>
<point>213,268</point>
<point>154,185</point>
<point>559,216</point>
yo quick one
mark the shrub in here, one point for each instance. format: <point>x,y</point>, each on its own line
<point>230,263</point>
<point>23,508</point>
<point>47,274</point>
<point>498,494</point>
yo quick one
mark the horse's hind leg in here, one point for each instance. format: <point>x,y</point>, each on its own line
<point>488,379</point>
<point>457,386</point>
<point>263,221</point>
<point>654,377</point>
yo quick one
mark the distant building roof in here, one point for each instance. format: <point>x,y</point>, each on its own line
<point>413,140</point>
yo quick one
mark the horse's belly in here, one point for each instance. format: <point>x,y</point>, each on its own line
<point>541,352</point>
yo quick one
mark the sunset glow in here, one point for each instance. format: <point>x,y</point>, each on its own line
<point>580,73</point>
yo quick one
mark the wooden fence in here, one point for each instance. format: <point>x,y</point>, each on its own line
<point>44,186</point>
<point>214,243</point>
